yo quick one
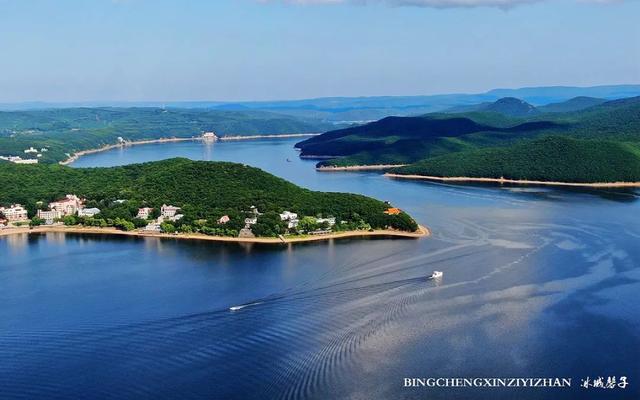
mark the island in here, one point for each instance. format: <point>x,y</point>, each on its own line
<point>581,142</point>
<point>188,199</point>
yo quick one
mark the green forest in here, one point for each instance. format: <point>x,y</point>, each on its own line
<point>204,191</point>
<point>551,158</point>
<point>608,131</point>
<point>66,131</point>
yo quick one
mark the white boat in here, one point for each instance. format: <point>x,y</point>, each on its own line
<point>436,275</point>
<point>236,308</point>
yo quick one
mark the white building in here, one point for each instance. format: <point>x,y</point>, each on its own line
<point>168,211</point>
<point>291,218</point>
<point>143,213</point>
<point>15,213</point>
<point>49,215</point>
<point>251,221</point>
<point>88,212</point>
<point>153,227</point>
<point>31,150</point>
<point>209,136</point>
<point>331,221</point>
<point>67,206</point>
<point>224,219</point>
<point>287,215</point>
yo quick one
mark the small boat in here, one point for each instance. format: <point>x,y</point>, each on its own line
<point>436,275</point>
<point>289,160</point>
<point>236,308</point>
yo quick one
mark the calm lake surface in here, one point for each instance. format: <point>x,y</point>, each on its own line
<point>538,282</point>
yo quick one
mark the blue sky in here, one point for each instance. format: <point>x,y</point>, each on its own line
<point>167,50</point>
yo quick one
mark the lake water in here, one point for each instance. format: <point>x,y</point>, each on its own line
<point>538,282</point>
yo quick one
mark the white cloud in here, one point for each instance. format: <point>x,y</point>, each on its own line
<point>434,3</point>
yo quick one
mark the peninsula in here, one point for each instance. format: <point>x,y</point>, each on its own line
<point>190,200</point>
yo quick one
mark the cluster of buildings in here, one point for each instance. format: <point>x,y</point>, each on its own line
<point>70,205</point>
<point>167,213</point>
<point>12,214</point>
<point>20,160</point>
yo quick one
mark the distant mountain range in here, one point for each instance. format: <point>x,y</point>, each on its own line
<point>366,109</point>
<point>513,107</point>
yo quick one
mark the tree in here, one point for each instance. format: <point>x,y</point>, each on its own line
<point>69,220</point>
<point>167,227</point>
<point>35,221</point>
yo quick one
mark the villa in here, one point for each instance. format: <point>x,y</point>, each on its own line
<point>251,221</point>
<point>49,215</point>
<point>15,213</point>
<point>224,219</point>
<point>168,211</point>
<point>67,206</point>
<point>144,212</point>
<point>393,211</point>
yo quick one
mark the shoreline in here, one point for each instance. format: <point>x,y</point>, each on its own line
<point>371,167</point>
<point>75,156</point>
<point>422,232</point>
<point>514,181</point>
<point>250,137</point>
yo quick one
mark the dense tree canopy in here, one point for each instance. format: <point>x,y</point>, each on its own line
<point>205,191</point>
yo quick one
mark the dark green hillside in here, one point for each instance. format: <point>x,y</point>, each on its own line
<point>559,159</point>
<point>73,129</point>
<point>202,189</point>
<point>575,104</point>
<point>401,140</point>
<point>411,136</point>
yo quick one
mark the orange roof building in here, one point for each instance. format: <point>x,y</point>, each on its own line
<point>393,211</point>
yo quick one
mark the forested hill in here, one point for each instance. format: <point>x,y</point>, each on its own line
<point>203,190</point>
<point>559,159</point>
<point>401,140</point>
<point>73,129</point>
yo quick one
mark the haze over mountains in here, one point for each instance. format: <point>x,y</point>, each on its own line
<point>362,109</point>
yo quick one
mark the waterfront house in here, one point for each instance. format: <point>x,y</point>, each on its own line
<point>144,212</point>
<point>393,211</point>
<point>224,219</point>
<point>67,206</point>
<point>15,213</point>
<point>209,136</point>
<point>88,212</point>
<point>168,211</point>
<point>246,233</point>
<point>251,221</point>
<point>49,215</point>
<point>331,221</point>
<point>153,227</point>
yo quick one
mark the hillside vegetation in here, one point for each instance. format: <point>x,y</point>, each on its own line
<point>203,190</point>
<point>73,129</point>
<point>399,140</point>
<point>560,159</point>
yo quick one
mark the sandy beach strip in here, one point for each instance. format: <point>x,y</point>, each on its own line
<point>251,137</point>
<point>372,167</point>
<point>421,232</point>
<point>516,181</point>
